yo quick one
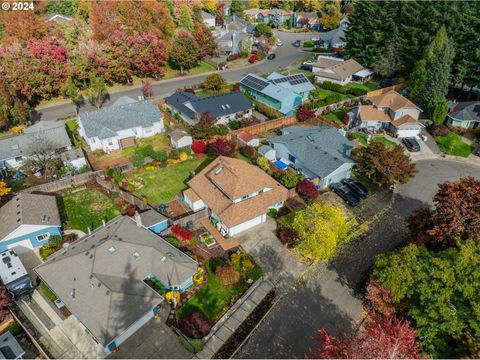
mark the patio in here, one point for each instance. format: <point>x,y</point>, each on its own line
<point>225,244</point>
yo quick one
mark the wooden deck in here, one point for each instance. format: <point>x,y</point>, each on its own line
<point>226,244</point>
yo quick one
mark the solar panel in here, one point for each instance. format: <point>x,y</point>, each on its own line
<point>254,83</point>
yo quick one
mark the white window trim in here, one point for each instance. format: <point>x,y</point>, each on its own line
<point>38,236</point>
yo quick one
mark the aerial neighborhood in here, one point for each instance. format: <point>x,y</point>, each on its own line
<point>239,179</point>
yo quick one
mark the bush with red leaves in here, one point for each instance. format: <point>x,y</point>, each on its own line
<point>196,325</point>
<point>307,189</point>
<point>236,87</point>
<point>130,210</point>
<point>249,152</point>
<point>233,57</point>
<point>199,146</point>
<point>287,236</point>
<point>5,302</point>
<point>252,58</point>
<point>304,113</point>
<point>439,130</point>
<point>222,147</point>
<point>182,234</point>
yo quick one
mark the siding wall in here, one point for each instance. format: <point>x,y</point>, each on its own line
<point>30,238</point>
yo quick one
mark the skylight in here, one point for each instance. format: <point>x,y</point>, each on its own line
<point>218,171</point>
<point>136,255</point>
<point>111,249</point>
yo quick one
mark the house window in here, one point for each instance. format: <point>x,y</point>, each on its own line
<point>291,158</point>
<point>110,142</point>
<point>43,237</point>
<point>245,197</point>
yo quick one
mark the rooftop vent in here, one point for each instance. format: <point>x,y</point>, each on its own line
<point>166,256</point>
<point>111,249</point>
<point>218,171</point>
<point>136,255</point>
<point>45,219</point>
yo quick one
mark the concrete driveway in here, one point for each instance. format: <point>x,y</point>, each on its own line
<point>277,262</point>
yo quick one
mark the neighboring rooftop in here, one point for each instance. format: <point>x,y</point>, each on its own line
<point>466,111</point>
<point>100,277</point>
<point>297,83</point>
<point>226,179</point>
<point>151,217</point>
<point>125,113</point>
<point>21,145</point>
<point>9,347</point>
<point>177,134</point>
<point>246,136</point>
<point>371,113</point>
<point>393,100</point>
<point>28,209</point>
<point>321,149</point>
<point>336,69</point>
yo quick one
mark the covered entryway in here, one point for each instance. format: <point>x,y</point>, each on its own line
<point>127,142</point>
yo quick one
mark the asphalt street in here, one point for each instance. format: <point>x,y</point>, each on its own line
<point>330,295</point>
<point>285,55</point>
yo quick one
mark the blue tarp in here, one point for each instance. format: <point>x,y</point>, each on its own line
<point>280,164</point>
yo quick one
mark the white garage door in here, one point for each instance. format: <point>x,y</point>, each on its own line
<point>246,225</point>
<point>407,133</point>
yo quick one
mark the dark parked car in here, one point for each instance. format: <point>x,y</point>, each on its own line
<point>297,43</point>
<point>271,56</point>
<point>477,152</point>
<point>357,187</point>
<point>411,144</point>
<point>345,193</point>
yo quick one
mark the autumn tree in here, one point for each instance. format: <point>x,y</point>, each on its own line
<point>381,337</point>
<point>25,25</point>
<point>219,14</point>
<point>214,82</point>
<point>13,107</point>
<point>382,165</point>
<point>456,214</point>
<point>380,298</point>
<point>96,91</point>
<point>199,146</point>
<point>185,20</point>
<point>331,15</point>
<point>5,302</point>
<point>71,91</point>
<point>205,41</point>
<point>319,228</point>
<point>307,189</point>
<point>210,6</point>
<point>304,113</point>
<point>222,147</point>
<point>204,128</point>
<point>4,189</point>
<point>184,52</point>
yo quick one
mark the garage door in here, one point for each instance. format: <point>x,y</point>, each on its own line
<point>340,176</point>
<point>127,142</point>
<point>407,133</point>
<point>247,225</point>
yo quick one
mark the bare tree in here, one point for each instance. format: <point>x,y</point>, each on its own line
<point>43,155</point>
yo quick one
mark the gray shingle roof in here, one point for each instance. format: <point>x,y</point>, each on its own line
<point>28,209</point>
<point>322,150</point>
<point>21,145</point>
<point>466,111</point>
<point>264,149</point>
<point>107,269</point>
<point>234,18</point>
<point>125,113</point>
<point>9,347</point>
<point>151,217</point>
<point>216,105</point>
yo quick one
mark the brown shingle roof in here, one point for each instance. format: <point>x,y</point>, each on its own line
<point>392,100</point>
<point>405,119</point>
<point>338,70</point>
<point>217,188</point>
<point>246,136</point>
<point>371,113</point>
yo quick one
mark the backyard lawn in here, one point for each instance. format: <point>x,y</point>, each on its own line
<point>363,140</point>
<point>213,298</point>
<point>452,144</point>
<point>369,86</point>
<point>158,142</point>
<point>161,185</point>
<point>204,92</point>
<point>336,116</point>
<point>86,209</point>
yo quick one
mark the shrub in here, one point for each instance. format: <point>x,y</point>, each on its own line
<point>195,325</point>
<point>233,57</point>
<point>51,246</point>
<point>264,164</point>
<point>227,275</point>
<point>290,179</point>
<point>221,130</point>
<point>199,146</point>
<point>236,87</point>
<point>137,160</point>
<point>287,236</point>
<point>328,85</point>
<point>182,234</point>
<point>457,129</point>
<point>272,213</point>
<point>357,91</point>
<point>130,210</point>
<point>304,113</point>
<point>160,155</point>
<point>222,147</point>
<point>146,150</point>
<point>308,44</point>
<point>333,98</point>
<point>234,124</point>
<point>307,189</point>
<point>266,110</point>
<point>242,262</point>
<point>439,130</point>
<point>173,154</point>
<point>252,58</point>
<point>249,152</point>
<point>284,210</point>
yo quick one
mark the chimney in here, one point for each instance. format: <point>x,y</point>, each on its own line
<point>138,219</point>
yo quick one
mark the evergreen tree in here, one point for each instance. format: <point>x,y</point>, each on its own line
<point>185,20</point>
<point>237,7</point>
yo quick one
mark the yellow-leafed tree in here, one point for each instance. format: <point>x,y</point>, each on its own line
<point>210,6</point>
<point>319,228</point>
<point>4,189</point>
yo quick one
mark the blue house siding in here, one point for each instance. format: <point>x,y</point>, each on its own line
<point>158,228</point>
<point>32,237</point>
<point>182,287</point>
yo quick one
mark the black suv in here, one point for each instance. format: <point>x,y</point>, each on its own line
<point>357,187</point>
<point>411,144</point>
<point>345,193</point>
<point>297,43</point>
<point>271,56</point>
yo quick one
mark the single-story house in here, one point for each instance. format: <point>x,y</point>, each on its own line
<point>267,152</point>
<point>152,220</point>
<point>278,97</point>
<point>223,108</point>
<point>28,221</point>
<point>248,138</point>
<point>465,114</point>
<point>297,83</point>
<point>237,194</point>
<point>9,347</point>
<point>180,139</point>
<point>16,150</point>
<point>208,19</point>
<point>103,278</point>
<point>120,125</point>
<point>322,154</point>
<point>390,111</point>
<point>338,71</point>
<point>308,19</point>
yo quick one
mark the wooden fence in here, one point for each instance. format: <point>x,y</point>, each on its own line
<point>128,197</point>
<point>194,218</point>
<point>66,183</point>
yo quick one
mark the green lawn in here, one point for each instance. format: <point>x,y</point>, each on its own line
<point>72,130</point>
<point>87,208</point>
<point>368,86</point>
<point>244,158</point>
<point>363,140</point>
<point>452,144</point>
<point>162,185</point>
<point>204,92</point>
<point>213,299</point>
<point>336,116</point>
<point>158,142</point>
<point>47,292</point>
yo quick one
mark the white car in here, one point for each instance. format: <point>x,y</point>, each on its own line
<point>279,43</point>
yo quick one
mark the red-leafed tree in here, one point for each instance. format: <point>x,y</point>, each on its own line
<point>308,189</point>
<point>456,213</point>
<point>196,325</point>
<point>380,298</point>
<point>381,337</point>
<point>25,25</point>
<point>304,113</point>
<point>204,38</point>
<point>219,14</point>
<point>199,146</point>
<point>222,147</point>
<point>5,302</point>
<point>182,234</point>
